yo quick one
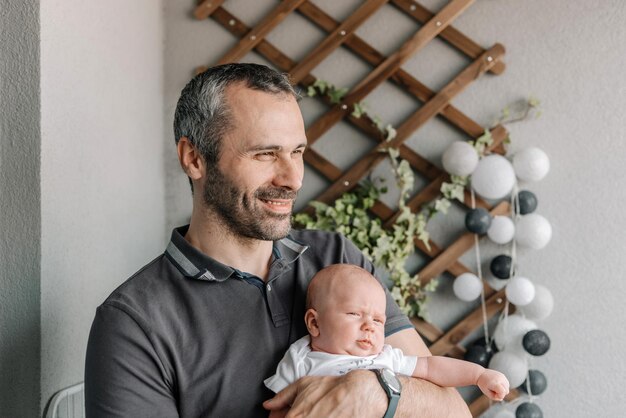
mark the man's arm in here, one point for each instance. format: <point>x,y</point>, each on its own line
<point>359,393</point>
<point>123,374</point>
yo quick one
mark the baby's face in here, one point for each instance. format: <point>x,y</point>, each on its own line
<point>352,319</point>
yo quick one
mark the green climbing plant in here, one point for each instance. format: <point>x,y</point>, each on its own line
<point>389,248</point>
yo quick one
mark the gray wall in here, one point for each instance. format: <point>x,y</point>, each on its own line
<point>20,219</point>
<point>569,54</point>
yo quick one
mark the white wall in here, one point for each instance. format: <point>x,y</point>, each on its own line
<point>102,189</point>
<point>570,54</point>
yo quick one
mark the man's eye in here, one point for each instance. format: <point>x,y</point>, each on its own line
<point>299,151</point>
<point>353,313</point>
<point>265,155</point>
<point>380,321</point>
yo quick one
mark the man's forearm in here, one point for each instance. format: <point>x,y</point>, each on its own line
<point>427,400</point>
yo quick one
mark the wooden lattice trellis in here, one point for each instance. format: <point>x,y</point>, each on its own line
<point>387,68</point>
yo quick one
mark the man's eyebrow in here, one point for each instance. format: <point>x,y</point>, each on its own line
<point>272,147</point>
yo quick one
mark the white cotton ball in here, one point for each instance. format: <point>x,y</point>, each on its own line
<point>520,291</point>
<point>533,231</point>
<point>510,332</point>
<point>502,229</point>
<point>513,365</point>
<point>494,177</point>
<point>541,306</point>
<point>467,287</point>
<point>460,159</point>
<point>504,413</point>
<point>531,164</point>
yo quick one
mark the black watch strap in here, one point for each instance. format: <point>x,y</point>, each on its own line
<point>390,383</point>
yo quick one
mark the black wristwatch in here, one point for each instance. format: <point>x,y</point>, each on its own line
<point>390,382</point>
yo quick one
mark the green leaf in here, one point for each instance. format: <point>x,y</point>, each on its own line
<point>336,95</point>
<point>310,91</point>
<point>390,133</point>
<point>358,109</point>
<point>442,205</point>
<point>321,85</point>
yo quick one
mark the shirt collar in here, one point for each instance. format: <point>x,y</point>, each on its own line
<point>194,264</point>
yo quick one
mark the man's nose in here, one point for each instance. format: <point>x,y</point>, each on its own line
<point>289,174</point>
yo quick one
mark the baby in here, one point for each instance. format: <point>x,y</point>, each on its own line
<point>346,318</point>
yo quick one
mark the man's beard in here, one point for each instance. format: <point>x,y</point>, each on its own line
<point>242,216</point>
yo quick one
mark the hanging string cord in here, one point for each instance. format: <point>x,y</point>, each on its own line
<point>479,269</point>
<point>515,214</point>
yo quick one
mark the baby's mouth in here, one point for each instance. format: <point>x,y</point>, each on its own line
<point>364,344</point>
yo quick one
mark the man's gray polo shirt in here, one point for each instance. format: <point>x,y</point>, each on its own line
<point>188,336</point>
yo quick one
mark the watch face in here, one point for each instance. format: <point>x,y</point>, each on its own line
<point>392,380</point>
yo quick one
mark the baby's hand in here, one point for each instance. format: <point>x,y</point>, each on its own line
<point>493,384</point>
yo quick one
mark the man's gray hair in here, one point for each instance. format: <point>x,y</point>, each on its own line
<point>203,116</point>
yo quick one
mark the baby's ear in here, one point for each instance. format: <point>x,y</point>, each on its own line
<point>310,319</point>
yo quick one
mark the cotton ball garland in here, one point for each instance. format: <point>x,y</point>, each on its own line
<point>531,164</point>
<point>538,382</point>
<point>493,177</point>
<point>467,287</point>
<point>510,332</point>
<point>541,306</point>
<point>528,410</point>
<point>520,291</point>
<point>502,229</point>
<point>514,366</point>
<point>533,231</point>
<point>501,266</point>
<point>478,354</point>
<point>460,159</point>
<point>527,202</point>
<point>478,221</point>
<point>536,342</point>
<point>504,413</point>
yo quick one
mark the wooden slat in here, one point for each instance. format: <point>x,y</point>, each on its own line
<point>456,250</point>
<point>482,403</point>
<point>206,8</point>
<point>449,34</point>
<point>431,108</point>
<point>386,68</point>
<point>400,77</point>
<point>335,39</point>
<point>256,35</point>
<point>316,161</point>
<point>494,304</point>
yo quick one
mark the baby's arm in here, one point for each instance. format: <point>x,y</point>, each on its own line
<point>445,371</point>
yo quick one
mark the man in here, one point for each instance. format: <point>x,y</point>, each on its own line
<point>195,332</point>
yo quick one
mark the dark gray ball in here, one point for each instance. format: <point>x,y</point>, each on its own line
<point>478,221</point>
<point>527,202</point>
<point>528,410</point>
<point>536,342</point>
<point>538,383</point>
<point>478,354</point>
<point>501,266</point>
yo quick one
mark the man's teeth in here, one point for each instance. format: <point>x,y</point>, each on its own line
<point>272,202</point>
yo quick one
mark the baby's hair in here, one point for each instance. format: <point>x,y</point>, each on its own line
<point>332,271</point>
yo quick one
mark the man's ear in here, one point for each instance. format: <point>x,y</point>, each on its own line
<point>310,319</point>
<point>190,159</point>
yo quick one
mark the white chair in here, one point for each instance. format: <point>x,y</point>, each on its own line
<point>68,403</point>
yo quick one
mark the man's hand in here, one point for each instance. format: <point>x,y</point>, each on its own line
<point>356,394</point>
